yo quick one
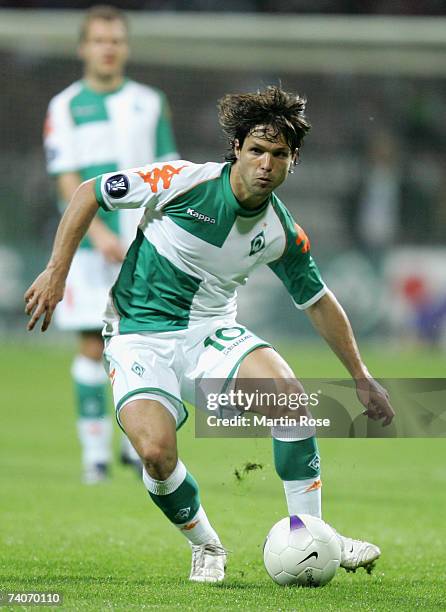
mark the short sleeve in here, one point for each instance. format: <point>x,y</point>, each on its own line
<point>296,267</point>
<point>150,186</point>
<point>58,138</point>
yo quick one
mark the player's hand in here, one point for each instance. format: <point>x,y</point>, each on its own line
<point>42,298</point>
<point>106,242</point>
<point>375,399</point>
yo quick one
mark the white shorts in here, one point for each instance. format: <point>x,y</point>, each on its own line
<point>88,283</point>
<point>165,365</point>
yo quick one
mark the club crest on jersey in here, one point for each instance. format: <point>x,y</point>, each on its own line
<point>138,368</point>
<point>117,186</point>
<point>257,243</point>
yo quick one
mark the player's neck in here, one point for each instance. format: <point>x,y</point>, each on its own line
<point>103,84</point>
<point>251,202</point>
<point>245,198</point>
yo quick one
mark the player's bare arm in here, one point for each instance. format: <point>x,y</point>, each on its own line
<point>67,183</point>
<point>47,290</point>
<point>331,322</point>
<point>102,238</point>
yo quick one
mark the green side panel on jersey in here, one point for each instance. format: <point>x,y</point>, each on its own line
<point>165,140</point>
<point>297,270</point>
<point>110,218</point>
<point>210,209</point>
<point>88,106</point>
<point>151,294</point>
<point>206,199</point>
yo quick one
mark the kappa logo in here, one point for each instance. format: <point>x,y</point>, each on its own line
<point>182,515</point>
<point>138,368</point>
<point>317,484</point>
<point>257,243</point>
<point>117,186</point>
<point>165,174</point>
<point>190,526</point>
<point>302,239</point>
<point>199,216</point>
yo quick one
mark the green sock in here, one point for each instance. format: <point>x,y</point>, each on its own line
<point>91,400</point>
<point>179,499</point>
<point>180,505</point>
<point>297,460</point>
<point>298,465</point>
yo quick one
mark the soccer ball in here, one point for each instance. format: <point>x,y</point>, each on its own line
<point>301,550</point>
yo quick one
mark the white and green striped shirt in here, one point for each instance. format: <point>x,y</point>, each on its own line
<point>91,133</point>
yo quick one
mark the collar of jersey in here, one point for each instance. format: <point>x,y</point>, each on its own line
<point>232,200</point>
<point>104,94</point>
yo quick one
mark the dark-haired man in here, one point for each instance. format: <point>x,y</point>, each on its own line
<point>99,124</point>
<point>171,317</point>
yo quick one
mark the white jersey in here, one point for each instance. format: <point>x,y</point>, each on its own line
<point>195,245</point>
<point>92,133</point>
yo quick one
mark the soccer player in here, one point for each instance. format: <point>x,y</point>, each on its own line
<point>171,316</point>
<point>99,124</point>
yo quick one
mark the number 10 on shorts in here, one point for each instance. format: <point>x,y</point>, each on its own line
<point>223,336</point>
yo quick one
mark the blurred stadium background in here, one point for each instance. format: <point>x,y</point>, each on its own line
<point>370,191</point>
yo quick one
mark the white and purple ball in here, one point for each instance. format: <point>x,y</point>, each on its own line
<point>301,550</point>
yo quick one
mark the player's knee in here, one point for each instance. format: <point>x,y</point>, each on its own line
<point>291,387</point>
<point>158,456</point>
<point>292,390</point>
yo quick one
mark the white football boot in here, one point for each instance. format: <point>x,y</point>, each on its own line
<point>208,562</point>
<point>356,553</point>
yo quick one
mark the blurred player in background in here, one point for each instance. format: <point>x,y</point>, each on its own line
<point>99,124</point>
<point>171,317</point>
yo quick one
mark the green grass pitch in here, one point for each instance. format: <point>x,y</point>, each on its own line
<point>108,547</point>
